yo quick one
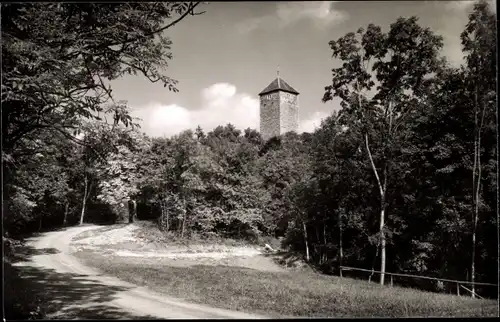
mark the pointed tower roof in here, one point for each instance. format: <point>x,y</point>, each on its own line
<point>278,85</point>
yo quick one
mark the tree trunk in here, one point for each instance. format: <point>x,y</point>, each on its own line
<point>474,194</point>
<point>474,229</point>
<point>166,212</point>
<point>382,189</point>
<point>122,212</point>
<point>161,218</point>
<point>382,247</point>
<point>373,264</point>
<point>135,210</point>
<point>132,211</point>
<point>325,251</point>
<point>382,229</point>
<point>164,215</point>
<point>184,218</point>
<point>65,219</point>
<point>498,193</point>
<point>476,182</point>
<point>305,240</point>
<point>341,251</point>
<point>84,202</point>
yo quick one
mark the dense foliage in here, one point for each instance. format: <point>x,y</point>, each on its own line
<point>57,62</point>
<point>403,177</point>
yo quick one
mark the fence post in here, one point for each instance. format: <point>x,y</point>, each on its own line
<point>391,281</point>
<point>458,289</point>
<point>340,271</point>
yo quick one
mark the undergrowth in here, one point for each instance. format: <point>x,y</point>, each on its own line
<point>150,232</point>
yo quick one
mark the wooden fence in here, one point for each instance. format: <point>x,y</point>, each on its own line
<point>459,284</point>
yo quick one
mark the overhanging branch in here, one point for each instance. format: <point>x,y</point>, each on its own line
<point>189,11</point>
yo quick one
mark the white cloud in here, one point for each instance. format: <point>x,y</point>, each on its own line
<point>467,5</point>
<point>321,12</point>
<point>166,119</point>
<point>453,50</point>
<point>452,27</point>
<point>313,122</point>
<point>249,25</point>
<point>221,104</point>
<point>459,5</point>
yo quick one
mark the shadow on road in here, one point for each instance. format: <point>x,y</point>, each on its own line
<point>32,292</point>
<point>23,253</point>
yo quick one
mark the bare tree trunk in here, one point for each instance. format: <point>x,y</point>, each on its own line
<point>477,188</point>
<point>473,265</point>
<point>341,250</point>
<point>325,250</point>
<point>305,240</point>
<point>184,218</point>
<point>84,202</point>
<point>162,211</point>
<point>474,200</point>
<point>382,190</point>
<point>382,230</point>
<point>382,212</point>
<point>498,194</point>
<point>382,247</point>
<point>65,220</point>
<point>166,212</point>
<point>133,211</point>
<point>373,264</point>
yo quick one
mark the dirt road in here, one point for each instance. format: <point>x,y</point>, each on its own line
<point>125,300</point>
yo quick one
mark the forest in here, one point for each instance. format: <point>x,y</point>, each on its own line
<point>403,178</point>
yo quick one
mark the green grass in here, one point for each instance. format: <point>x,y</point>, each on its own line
<point>305,294</point>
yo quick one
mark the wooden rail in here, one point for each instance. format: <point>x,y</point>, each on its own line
<point>458,283</point>
<point>470,291</point>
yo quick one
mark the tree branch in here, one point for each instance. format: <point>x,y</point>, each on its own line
<point>188,11</point>
<point>382,192</point>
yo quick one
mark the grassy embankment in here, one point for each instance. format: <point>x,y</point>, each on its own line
<point>293,293</point>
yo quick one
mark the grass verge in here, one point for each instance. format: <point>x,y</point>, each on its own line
<point>293,294</point>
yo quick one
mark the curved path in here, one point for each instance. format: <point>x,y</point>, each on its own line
<point>123,298</point>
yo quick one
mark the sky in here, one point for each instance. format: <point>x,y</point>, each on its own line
<point>225,57</point>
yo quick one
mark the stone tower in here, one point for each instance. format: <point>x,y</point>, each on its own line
<point>279,109</point>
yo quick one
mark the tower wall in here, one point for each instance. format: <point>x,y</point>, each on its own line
<point>289,113</point>
<point>269,115</point>
<point>279,109</point>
